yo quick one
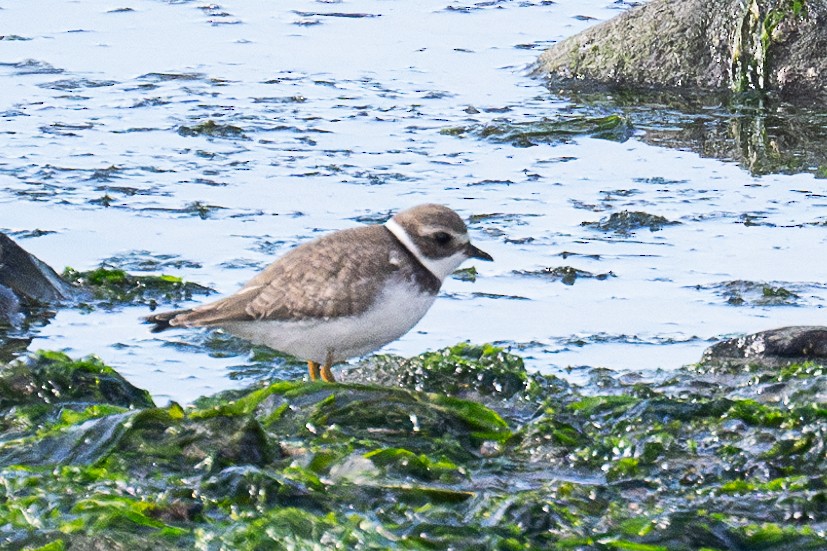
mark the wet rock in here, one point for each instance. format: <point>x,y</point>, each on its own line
<point>10,313</point>
<point>54,378</point>
<point>768,46</point>
<point>83,444</point>
<point>773,347</point>
<point>48,393</point>
<point>23,277</point>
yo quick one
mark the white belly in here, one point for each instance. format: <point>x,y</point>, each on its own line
<point>397,310</point>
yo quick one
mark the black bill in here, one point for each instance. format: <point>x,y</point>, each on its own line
<point>474,252</point>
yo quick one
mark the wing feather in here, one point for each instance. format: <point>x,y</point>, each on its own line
<point>325,278</point>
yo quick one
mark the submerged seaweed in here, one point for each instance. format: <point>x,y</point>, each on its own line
<point>212,129</point>
<point>755,293</point>
<point>565,274</point>
<point>463,448</point>
<point>566,127</point>
<point>626,222</point>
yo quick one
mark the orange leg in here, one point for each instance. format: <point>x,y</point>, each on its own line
<point>313,369</point>
<point>327,375</point>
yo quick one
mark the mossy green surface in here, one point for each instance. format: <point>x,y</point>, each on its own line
<point>458,448</point>
<point>112,286</point>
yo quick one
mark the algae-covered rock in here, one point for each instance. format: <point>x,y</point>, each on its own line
<point>212,129</point>
<point>51,390</point>
<point>54,378</point>
<point>772,46</point>
<point>482,373</point>
<point>688,459</point>
<point>110,286</point>
<point>28,287</point>
<point>754,293</point>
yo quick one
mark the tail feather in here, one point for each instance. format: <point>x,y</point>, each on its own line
<point>164,320</point>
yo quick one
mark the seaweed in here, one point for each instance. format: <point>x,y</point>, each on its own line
<point>459,448</point>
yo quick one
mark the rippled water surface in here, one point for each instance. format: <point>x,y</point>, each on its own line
<point>328,114</point>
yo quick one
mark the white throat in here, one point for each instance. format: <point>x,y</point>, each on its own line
<point>440,267</point>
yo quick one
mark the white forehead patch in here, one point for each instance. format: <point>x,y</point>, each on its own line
<point>440,267</point>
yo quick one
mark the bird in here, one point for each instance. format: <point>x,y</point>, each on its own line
<point>344,294</point>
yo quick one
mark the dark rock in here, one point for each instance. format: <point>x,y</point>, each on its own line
<point>27,276</point>
<point>773,347</point>
<point>769,46</point>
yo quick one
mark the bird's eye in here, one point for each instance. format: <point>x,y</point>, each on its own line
<point>442,238</point>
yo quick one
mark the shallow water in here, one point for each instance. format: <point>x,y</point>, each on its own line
<point>332,113</point>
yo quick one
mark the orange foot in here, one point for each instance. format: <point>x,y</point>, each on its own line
<point>313,369</point>
<point>325,373</point>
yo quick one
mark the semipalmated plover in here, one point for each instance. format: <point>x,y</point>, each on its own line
<point>344,294</point>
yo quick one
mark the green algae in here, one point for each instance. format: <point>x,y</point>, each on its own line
<point>400,460</point>
<point>756,32</point>
<point>466,274</point>
<point>460,448</point>
<point>111,286</point>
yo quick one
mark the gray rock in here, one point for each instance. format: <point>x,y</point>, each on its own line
<point>773,347</point>
<point>774,46</point>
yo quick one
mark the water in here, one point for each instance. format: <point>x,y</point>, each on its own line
<point>340,107</point>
